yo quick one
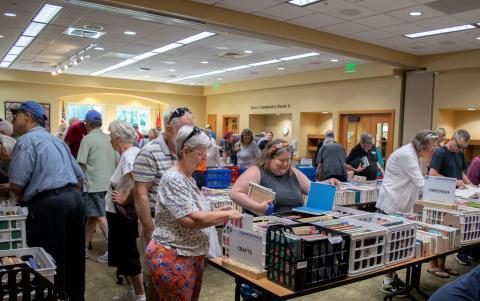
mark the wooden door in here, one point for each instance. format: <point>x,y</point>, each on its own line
<point>231,123</point>
<point>212,121</point>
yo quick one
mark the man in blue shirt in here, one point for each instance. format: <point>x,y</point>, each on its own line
<point>45,176</point>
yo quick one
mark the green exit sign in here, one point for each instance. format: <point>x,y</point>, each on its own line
<point>350,67</point>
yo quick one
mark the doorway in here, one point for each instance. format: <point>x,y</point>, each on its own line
<point>212,121</point>
<point>230,123</point>
<point>378,123</point>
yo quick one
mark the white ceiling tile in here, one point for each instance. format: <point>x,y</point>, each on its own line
<point>403,29</point>
<point>468,36</point>
<point>439,22</point>
<point>342,9</point>
<point>383,6</point>
<point>426,11</point>
<point>472,16</point>
<point>346,28</point>
<point>248,6</point>
<point>317,20</point>
<point>371,35</point>
<point>270,16</point>
<point>424,1</point>
<point>394,41</point>
<point>286,11</point>
<point>379,21</point>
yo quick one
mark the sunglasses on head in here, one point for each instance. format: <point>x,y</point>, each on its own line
<point>275,148</point>
<point>196,131</point>
<point>459,146</point>
<point>179,112</point>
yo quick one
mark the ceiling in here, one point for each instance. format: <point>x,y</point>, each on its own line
<point>52,47</point>
<point>380,22</point>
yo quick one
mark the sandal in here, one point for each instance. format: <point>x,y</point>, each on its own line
<point>439,273</point>
<point>451,272</point>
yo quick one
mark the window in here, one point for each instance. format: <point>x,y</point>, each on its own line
<point>135,115</point>
<point>79,110</point>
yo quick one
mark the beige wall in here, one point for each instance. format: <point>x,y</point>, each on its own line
<point>378,93</point>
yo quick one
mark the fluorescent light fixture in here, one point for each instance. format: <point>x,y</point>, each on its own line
<point>213,72</point>
<point>1,36</point>
<point>248,51</point>
<point>193,76</point>
<point>237,68</point>
<point>196,37</point>
<point>116,66</point>
<point>191,84</point>
<point>415,13</point>
<point>23,41</point>
<point>169,62</point>
<point>10,14</point>
<point>10,57</point>
<point>302,2</point>
<point>171,70</point>
<point>99,48</point>
<point>439,31</point>
<point>222,47</point>
<point>5,64</point>
<point>300,56</point>
<point>264,63</point>
<point>471,109</point>
<point>167,48</point>
<point>47,13</point>
<point>16,50</point>
<point>33,29</point>
<point>281,68</point>
<point>145,55</point>
<point>130,33</point>
<point>334,60</point>
<point>203,62</point>
<point>325,112</point>
<point>478,38</point>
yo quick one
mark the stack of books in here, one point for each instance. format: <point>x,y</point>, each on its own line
<point>356,193</point>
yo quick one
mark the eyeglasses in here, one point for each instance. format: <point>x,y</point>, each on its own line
<point>196,131</point>
<point>179,112</point>
<point>275,148</point>
<point>459,146</point>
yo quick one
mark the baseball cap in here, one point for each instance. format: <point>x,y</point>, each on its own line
<point>31,107</point>
<point>93,116</point>
<point>135,126</point>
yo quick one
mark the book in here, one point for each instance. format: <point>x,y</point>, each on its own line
<point>260,193</point>
<point>320,199</point>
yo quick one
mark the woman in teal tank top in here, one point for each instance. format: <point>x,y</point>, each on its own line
<point>274,170</point>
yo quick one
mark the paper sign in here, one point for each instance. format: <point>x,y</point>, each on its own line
<point>246,247</point>
<point>359,178</point>
<point>440,189</point>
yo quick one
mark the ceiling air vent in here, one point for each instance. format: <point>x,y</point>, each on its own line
<point>233,55</point>
<point>83,33</point>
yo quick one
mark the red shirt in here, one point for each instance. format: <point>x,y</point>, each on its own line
<point>74,136</point>
<point>139,136</point>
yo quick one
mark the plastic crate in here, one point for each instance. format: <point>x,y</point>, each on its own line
<point>13,233</point>
<point>301,217</point>
<point>45,262</point>
<point>465,218</point>
<point>401,233</point>
<point>21,282</point>
<point>340,212</point>
<point>218,178</point>
<point>309,172</point>
<point>297,263</point>
<point>367,246</point>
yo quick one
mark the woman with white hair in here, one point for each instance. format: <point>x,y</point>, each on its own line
<point>6,149</point>
<point>123,229</point>
<point>175,255</point>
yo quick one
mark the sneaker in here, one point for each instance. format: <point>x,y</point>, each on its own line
<point>396,288</point>
<point>103,258</point>
<point>130,296</point>
<point>86,253</point>
<point>463,259</point>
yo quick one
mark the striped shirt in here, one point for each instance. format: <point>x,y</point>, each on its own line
<point>151,163</point>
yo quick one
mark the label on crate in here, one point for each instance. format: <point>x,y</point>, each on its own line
<point>440,189</point>
<point>246,247</point>
<point>302,265</point>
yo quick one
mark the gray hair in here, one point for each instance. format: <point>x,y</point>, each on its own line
<point>441,132</point>
<point>462,134</point>
<point>6,128</point>
<point>328,140</point>
<point>122,130</point>
<point>366,138</point>
<point>329,134</point>
<point>423,139</point>
<point>174,121</point>
<point>196,141</point>
<point>7,144</point>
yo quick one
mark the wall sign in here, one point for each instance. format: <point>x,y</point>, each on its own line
<point>245,247</point>
<point>271,107</point>
<point>440,189</point>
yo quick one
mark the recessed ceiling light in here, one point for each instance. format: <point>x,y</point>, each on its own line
<point>99,48</point>
<point>478,38</point>
<point>1,36</point>
<point>10,14</point>
<point>415,13</point>
<point>439,31</point>
<point>471,109</point>
<point>325,112</point>
<point>302,2</point>
<point>130,33</point>
<point>222,47</point>
<point>171,70</point>
<point>204,62</point>
<point>334,60</point>
<point>191,84</point>
<point>281,68</point>
<point>169,62</point>
<point>248,51</point>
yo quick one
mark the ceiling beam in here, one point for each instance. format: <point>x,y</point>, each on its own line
<point>256,25</point>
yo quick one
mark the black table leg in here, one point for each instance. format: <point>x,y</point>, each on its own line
<point>238,285</point>
<point>416,275</point>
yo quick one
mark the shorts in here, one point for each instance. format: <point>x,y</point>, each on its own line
<point>122,245</point>
<point>95,204</point>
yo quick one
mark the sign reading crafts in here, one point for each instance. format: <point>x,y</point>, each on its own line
<point>270,107</point>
